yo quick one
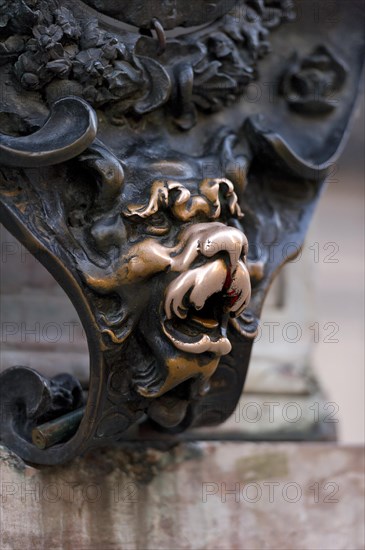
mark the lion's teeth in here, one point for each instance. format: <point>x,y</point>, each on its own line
<point>178,309</point>
<point>206,323</point>
<point>210,279</point>
<point>181,312</point>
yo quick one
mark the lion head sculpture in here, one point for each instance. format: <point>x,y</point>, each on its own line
<point>164,243</point>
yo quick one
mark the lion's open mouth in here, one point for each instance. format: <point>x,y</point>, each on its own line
<point>198,305</point>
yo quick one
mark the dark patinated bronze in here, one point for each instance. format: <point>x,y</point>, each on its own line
<point>162,160</point>
<point>57,430</point>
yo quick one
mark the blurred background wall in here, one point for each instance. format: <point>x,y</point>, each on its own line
<point>340,286</point>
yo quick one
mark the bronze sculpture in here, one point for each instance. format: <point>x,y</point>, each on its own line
<point>136,168</point>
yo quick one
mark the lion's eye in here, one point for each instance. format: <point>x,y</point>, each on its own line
<point>158,224</point>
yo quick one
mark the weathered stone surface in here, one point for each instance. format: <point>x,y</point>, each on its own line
<point>202,496</point>
<point>281,356</point>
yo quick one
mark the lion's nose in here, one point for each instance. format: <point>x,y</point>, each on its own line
<point>210,239</point>
<point>217,238</point>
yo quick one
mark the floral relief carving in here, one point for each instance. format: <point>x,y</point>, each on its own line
<point>311,85</point>
<point>59,55</point>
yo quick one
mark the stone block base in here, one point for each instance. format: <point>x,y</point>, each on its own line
<point>196,496</point>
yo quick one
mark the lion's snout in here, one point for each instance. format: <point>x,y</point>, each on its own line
<point>199,301</point>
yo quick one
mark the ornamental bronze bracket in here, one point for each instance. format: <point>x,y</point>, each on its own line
<point>162,165</point>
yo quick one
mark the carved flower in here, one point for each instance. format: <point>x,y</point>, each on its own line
<point>61,67</point>
<point>15,15</point>
<point>4,18</point>
<point>12,47</point>
<point>67,22</point>
<point>30,69</point>
<point>91,36</point>
<point>123,79</point>
<point>276,11</point>
<point>37,66</point>
<point>252,32</point>
<point>88,67</point>
<point>113,49</point>
<point>47,37</point>
<point>311,84</point>
<point>212,87</point>
<point>97,96</point>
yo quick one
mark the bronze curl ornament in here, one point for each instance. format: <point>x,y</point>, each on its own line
<point>59,140</point>
<point>136,171</point>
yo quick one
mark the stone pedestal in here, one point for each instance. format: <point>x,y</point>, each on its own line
<point>196,496</point>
